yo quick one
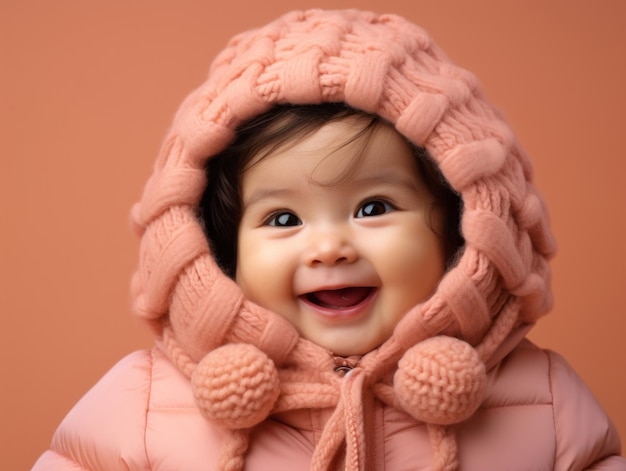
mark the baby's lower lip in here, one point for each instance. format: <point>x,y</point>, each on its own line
<point>340,312</point>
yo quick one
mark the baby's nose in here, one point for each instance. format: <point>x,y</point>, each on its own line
<point>330,247</point>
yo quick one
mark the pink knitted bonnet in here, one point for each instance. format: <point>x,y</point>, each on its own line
<point>245,362</point>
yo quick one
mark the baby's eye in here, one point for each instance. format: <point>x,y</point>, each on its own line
<point>284,219</point>
<point>374,208</point>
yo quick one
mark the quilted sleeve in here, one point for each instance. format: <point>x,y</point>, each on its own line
<point>585,436</point>
<point>106,429</point>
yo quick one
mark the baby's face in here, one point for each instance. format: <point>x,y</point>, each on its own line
<point>343,258</point>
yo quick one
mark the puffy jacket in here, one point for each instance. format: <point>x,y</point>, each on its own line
<point>233,385</point>
<point>537,415</point>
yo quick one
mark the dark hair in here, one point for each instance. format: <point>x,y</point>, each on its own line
<point>220,206</point>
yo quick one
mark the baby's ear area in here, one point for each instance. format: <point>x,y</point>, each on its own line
<point>219,210</point>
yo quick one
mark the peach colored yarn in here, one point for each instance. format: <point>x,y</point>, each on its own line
<point>440,380</point>
<point>380,64</point>
<point>236,386</point>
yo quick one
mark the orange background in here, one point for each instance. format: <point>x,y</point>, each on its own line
<point>87,90</point>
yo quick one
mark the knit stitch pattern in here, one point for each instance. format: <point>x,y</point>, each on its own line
<point>236,386</point>
<point>440,380</point>
<point>380,64</point>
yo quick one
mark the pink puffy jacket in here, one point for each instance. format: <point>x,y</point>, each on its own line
<point>537,415</point>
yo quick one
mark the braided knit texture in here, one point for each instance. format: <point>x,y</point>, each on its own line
<point>380,64</point>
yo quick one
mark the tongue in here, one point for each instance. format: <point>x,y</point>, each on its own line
<point>338,298</point>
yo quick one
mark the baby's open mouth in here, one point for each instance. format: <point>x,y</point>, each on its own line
<point>339,298</point>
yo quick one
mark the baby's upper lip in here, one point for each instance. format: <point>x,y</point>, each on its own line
<point>334,287</point>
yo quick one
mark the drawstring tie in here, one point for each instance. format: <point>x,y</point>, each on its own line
<point>439,381</point>
<point>346,425</point>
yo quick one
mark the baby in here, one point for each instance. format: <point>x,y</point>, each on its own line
<point>342,252</point>
<point>332,219</point>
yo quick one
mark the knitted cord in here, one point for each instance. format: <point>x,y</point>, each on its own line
<point>444,448</point>
<point>345,427</point>
<point>233,451</point>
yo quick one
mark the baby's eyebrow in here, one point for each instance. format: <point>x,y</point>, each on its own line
<point>384,178</point>
<point>264,193</point>
<point>389,178</point>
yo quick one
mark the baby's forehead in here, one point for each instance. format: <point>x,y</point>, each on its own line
<point>337,153</point>
<point>285,132</point>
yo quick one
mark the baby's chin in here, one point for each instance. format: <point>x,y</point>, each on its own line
<point>348,349</point>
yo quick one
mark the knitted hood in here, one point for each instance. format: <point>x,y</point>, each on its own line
<point>384,65</point>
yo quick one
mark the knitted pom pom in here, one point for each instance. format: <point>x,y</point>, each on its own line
<point>236,386</point>
<point>440,381</point>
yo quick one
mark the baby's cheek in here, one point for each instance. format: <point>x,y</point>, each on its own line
<point>419,270</point>
<point>263,287</point>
